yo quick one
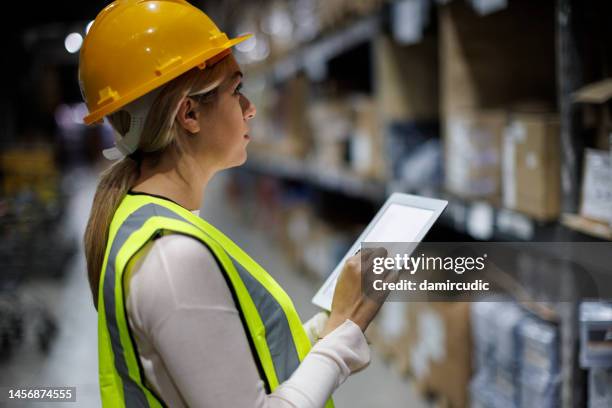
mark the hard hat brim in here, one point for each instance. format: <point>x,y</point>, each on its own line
<point>97,116</point>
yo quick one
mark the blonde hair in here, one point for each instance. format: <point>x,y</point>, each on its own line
<point>160,133</point>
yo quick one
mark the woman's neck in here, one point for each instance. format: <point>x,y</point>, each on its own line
<point>184,185</point>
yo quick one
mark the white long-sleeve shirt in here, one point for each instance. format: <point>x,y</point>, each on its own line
<point>192,344</point>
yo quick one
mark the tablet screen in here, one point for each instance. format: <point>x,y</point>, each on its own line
<point>399,223</point>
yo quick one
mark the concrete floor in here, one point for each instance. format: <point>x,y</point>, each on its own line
<point>72,360</point>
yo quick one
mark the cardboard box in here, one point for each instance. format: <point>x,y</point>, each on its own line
<point>440,349</point>
<point>494,61</point>
<point>331,123</point>
<point>332,13</point>
<point>600,388</point>
<point>473,154</point>
<point>389,331</point>
<point>595,345</point>
<point>282,129</point>
<point>297,220</point>
<point>406,80</point>
<point>431,341</point>
<point>531,165</point>
<point>294,103</point>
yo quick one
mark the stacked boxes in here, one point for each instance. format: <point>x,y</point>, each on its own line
<point>496,351</point>
<point>331,125</point>
<point>531,165</point>
<point>330,13</point>
<point>516,158</point>
<point>347,137</point>
<point>600,388</point>
<point>366,150</point>
<point>516,356</point>
<point>430,341</point>
<point>484,346</point>
<point>595,335</point>
<point>596,351</point>
<point>479,73</point>
<point>480,80</point>
<point>473,154</point>
<point>312,244</point>
<point>539,364</point>
<point>406,93</point>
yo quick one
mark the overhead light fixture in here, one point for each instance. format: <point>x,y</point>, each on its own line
<point>73,42</point>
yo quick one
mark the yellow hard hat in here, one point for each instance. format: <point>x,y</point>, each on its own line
<point>135,46</point>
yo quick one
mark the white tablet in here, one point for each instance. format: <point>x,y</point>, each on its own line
<point>403,218</point>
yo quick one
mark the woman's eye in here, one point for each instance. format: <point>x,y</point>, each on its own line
<point>238,89</point>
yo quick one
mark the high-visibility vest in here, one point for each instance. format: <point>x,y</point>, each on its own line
<point>274,330</point>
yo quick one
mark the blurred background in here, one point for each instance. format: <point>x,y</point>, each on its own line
<point>501,107</point>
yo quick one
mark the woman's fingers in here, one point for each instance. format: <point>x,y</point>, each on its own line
<point>369,255</point>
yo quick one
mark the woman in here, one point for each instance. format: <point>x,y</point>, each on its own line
<point>186,318</point>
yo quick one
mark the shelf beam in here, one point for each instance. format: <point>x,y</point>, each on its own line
<point>569,79</point>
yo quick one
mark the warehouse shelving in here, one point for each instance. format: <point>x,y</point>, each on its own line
<point>509,225</point>
<point>317,52</point>
<point>504,225</point>
<point>335,180</point>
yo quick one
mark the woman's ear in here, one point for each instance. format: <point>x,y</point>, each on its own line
<point>188,115</point>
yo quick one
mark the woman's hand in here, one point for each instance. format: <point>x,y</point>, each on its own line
<point>350,301</point>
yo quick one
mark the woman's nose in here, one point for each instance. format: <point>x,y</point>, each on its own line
<point>248,108</point>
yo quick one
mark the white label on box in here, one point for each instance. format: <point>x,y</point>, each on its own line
<point>408,19</point>
<point>513,134</point>
<point>462,157</point>
<point>361,151</point>
<point>597,186</point>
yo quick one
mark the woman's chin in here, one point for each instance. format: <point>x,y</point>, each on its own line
<point>239,161</point>
<point>244,159</point>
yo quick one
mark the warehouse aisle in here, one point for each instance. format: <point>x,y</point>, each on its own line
<point>72,360</point>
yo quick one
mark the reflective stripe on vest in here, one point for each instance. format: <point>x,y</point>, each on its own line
<point>271,321</point>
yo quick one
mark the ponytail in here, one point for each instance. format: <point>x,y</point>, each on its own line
<point>114,184</point>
